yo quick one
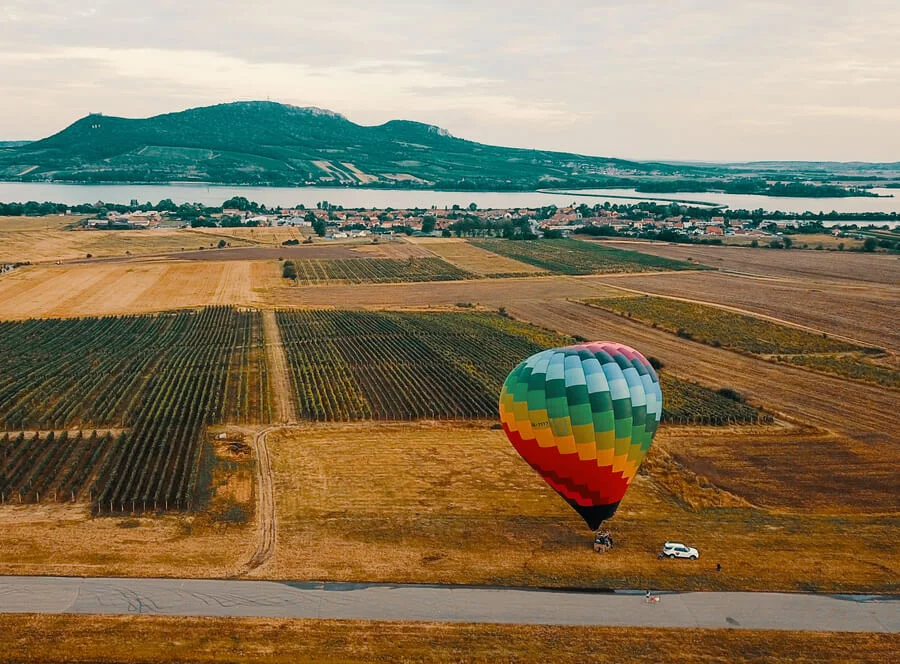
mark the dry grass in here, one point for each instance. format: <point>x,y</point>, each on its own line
<point>263,235</point>
<point>449,503</point>
<point>139,639</point>
<point>65,540</point>
<point>43,245</point>
<point>474,259</point>
<point>45,223</point>
<point>100,289</point>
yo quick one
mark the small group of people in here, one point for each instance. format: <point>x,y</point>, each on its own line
<point>603,541</point>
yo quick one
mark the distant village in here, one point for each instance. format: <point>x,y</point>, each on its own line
<point>337,223</point>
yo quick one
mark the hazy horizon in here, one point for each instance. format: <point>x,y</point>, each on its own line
<point>815,81</point>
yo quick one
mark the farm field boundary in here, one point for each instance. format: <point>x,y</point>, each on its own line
<point>574,257</point>
<point>358,365</point>
<point>162,378</point>
<point>376,270</point>
<point>719,327</point>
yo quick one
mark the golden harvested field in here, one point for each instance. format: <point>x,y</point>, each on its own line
<point>98,289</point>
<point>474,259</point>
<point>138,639</point>
<point>811,265</point>
<point>265,235</point>
<point>37,246</point>
<point>45,223</point>
<point>454,503</point>
<point>400,249</point>
<point>866,313</point>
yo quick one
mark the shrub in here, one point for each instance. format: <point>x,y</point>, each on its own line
<point>289,270</point>
<point>729,393</point>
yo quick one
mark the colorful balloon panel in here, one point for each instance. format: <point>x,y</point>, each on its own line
<point>584,417</point>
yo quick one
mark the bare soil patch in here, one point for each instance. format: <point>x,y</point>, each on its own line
<point>815,265</point>
<point>491,293</point>
<point>270,253</point>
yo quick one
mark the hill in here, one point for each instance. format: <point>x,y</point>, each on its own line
<point>277,144</point>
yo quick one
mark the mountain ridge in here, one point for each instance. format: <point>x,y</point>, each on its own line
<point>262,142</point>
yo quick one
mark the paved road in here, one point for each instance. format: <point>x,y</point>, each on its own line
<point>183,597</point>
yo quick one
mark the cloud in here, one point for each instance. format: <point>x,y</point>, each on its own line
<point>639,78</point>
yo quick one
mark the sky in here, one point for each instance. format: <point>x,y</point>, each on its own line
<point>637,79</point>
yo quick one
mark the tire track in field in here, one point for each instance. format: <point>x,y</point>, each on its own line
<point>283,393</point>
<point>267,526</point>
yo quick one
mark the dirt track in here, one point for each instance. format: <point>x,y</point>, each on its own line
<point>265,506</point>
<point>279,373</point>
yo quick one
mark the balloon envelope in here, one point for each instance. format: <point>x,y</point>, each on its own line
<point>584,417</point>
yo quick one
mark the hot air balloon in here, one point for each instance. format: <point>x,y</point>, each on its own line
<point>583,417</point>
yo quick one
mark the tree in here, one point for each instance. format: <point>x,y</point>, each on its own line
<point>319,226</point>
<point>473,206</point>
<point>869,244</point>
<point>428,222</point>
<point>289,270</point>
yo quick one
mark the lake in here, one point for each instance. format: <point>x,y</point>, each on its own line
<point>73,194</point>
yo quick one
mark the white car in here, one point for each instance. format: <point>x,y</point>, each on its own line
<point>679,550</point>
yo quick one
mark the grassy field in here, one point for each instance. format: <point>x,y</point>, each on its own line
<point>825,241</point>
<point>467,256</point>
<point>140,639</point>
<point>454,503</point>
<point>723,328</point>
<point>576,257</point>
<point>850,366</point>
<point>377,271</point>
